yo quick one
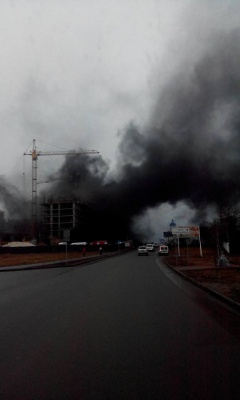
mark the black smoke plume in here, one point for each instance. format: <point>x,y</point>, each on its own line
<point>12,200</point>
<point>15,221</point>
<point>189,151</point>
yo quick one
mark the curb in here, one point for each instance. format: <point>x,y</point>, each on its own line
<point>59,264</point>
<point>233,304</point>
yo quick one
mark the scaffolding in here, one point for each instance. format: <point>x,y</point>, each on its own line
<point>34,153</point>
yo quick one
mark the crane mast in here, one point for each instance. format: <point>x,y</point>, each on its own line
<point>34,153</point>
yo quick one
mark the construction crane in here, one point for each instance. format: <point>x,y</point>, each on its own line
<point>34,153</point>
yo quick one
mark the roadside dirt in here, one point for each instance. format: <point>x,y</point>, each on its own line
<point>7,260</point>
<point>224,281</point>
<point>205,270</point>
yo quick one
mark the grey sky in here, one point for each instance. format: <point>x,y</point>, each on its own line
<point>73,73</point>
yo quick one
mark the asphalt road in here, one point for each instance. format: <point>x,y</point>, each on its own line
<point>116,329</point>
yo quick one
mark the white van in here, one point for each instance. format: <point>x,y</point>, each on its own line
<point>163,250</point>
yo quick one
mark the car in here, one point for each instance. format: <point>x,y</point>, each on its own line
<point>150,247</point>
<point>142,251</point>
<point>163,250</point>
<point>79,244</point>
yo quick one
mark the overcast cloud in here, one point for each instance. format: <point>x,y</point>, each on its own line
<point>74,74</point>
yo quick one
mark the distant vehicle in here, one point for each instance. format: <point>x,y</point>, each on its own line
<point>150,247</point>
<point>79,244</point>
<point>142,251</point>
<point>99,243</point>
<point>18,244</point>
<point>155,244</point>
<point>61,243</point>
<point>163,250</point>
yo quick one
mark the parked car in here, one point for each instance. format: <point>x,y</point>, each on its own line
<point>150,247</point>
<point>163,250</point>
<point>142,251</point>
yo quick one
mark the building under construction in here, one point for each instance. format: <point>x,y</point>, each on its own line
<point>59,216</point>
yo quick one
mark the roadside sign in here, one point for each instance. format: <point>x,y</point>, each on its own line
<point>186,231</point>
<point>167,234</point>
<point>66,235</point>
<point>180,230</point>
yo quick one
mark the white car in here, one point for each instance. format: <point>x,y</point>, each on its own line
<point>142,251</point>
<point>150,247</point>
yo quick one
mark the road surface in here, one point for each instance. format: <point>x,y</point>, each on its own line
<point>116,329</point>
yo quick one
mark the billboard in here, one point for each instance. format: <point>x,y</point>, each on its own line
<point>191,231</point>
<point>167,234</point>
